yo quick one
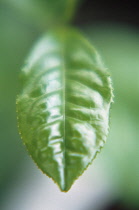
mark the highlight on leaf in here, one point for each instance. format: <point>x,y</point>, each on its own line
<point>63,105</point>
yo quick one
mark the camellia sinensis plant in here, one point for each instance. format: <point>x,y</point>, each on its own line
<point>65,96</point>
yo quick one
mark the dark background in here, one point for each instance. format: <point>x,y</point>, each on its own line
<point>119,11</point>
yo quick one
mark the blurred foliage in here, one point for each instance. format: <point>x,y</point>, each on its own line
<point>15,40</point>
<point>45,13</point>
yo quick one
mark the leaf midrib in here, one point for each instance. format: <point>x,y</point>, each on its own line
<point>63,42</point>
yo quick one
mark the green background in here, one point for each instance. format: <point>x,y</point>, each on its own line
<point>114,175</point>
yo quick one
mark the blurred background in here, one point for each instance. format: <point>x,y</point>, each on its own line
<point>112,181</point>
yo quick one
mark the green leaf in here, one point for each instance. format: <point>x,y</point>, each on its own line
<point>46,12</point>
<point>63,106</point>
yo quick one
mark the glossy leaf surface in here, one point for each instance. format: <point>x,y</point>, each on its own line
<point>63,107</point>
